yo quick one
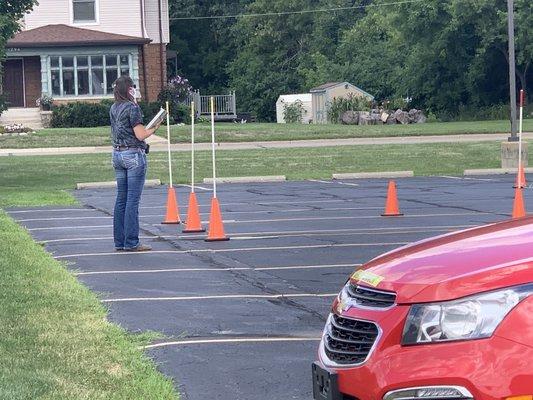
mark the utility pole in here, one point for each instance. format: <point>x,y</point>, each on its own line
<point>512,76</point>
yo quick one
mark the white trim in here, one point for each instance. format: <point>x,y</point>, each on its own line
<point>86,23</point>
<point>24,82</point>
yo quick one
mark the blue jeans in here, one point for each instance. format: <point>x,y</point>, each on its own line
<point>130,171</point>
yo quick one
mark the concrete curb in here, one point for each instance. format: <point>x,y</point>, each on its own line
<point>248,179</point>
<point>495,171</point>
<point>367,175</point>
<point>104,185</point>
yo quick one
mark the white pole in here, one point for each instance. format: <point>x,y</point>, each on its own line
<point>168,146</point>
<point>213,146</point>
<point>192,146</point>
<point>520,183</point>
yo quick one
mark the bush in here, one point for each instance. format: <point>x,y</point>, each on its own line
<point>81,115</point>
<point>351,103</point>
<point>293,113</point>
<point>88,115</point>
<point>3,104</point>
<point>473,113</point>
<point>179,112</point>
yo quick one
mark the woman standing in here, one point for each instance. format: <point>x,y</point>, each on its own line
<point>129,160</point>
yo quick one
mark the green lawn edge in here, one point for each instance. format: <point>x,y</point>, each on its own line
<point>49,180</point>
<point>253,132</point>
<point>55,340</point>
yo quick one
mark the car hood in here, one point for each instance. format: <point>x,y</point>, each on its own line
<point>455,265</point>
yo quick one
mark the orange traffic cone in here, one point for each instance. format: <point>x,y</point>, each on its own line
<point>173,214</point>
<point>519,209</point>
<point>392,208</point>
<point>216,227</point>
<point>521,178</point>
<point>194,223</point>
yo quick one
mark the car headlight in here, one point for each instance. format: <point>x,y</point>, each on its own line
<point>473,317</point>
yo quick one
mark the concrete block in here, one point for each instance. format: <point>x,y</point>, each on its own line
<point>370,175</point>
<point>509,154</point>
<point>495,171</point>
<point>112,184</point>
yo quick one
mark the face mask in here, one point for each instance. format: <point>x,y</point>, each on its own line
<point>132,94</point>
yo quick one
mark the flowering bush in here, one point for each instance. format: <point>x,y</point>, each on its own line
<point>14,129</point>
<point>176,92</point>
<point>178,89</point>
<point>45,102</point>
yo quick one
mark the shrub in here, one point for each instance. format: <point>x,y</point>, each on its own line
<point>149,110</point>
<point>179,112</point>
<point>293,113</point>
<point>3,104</point>
<point>342,104</point>
<point>88,115</point>
<point>474,113</point>
<point>396,103</point>
<point>81,115</point>
<point>45,102</point>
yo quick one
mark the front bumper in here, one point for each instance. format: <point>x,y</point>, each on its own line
<point>488,369</point>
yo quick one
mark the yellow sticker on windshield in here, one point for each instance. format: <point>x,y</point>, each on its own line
<point>367,277</point>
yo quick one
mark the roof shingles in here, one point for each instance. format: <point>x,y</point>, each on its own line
<point>64,35</point>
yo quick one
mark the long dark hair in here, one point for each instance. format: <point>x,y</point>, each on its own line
<point>121,89</point>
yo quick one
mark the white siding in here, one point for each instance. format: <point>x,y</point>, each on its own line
<point>152,20</point>
<point>305,98</point>
<point>48,12</point>
<point>114,16</point>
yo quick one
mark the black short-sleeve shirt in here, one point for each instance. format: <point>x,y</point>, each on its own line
<point>124,117</point>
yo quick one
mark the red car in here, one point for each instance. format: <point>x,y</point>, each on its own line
<point>445,318</point>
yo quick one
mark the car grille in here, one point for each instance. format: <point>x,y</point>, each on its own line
<point>349,341</point>
<point>371,297</point>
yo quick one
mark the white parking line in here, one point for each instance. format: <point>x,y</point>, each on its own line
<point>234,340</point>
<point>53,228</point>
<point>221,297</point>
<point>192,251</point>
<point>198,187</point>
<point>64,218</point>
<point>267,203</point>
<point>276,234</point>
<point>255,221</point>
<point>151,271</point>
<point>51,210</point>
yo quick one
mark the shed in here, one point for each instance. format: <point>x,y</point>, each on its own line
<point>323,95</point>
<point>287,99</point>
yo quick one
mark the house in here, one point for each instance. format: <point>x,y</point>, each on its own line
<point>287,99</point>
<point>323,95</point>
<point>73,50</point>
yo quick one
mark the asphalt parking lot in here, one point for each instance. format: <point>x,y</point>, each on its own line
<point>242,318</point>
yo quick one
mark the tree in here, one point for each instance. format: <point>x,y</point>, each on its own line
<point>282,54</point>
<point>204,46</point>
<point>11,12</point>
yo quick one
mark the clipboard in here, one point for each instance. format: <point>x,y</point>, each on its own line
<point>158,119</point>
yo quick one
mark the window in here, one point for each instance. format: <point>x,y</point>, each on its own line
<point>87,75</point>
<point>84,10</point>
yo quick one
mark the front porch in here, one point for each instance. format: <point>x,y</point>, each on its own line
<point>68,64</point>
<point>21,83</point>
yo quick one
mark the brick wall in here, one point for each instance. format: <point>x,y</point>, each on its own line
<point>32,79</point>
<point>154,80</point>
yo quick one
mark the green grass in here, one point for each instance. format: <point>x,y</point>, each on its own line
<point>71,137</point>
<point>47,179</point>
<point>55,341</point>
<point>229,132</point>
